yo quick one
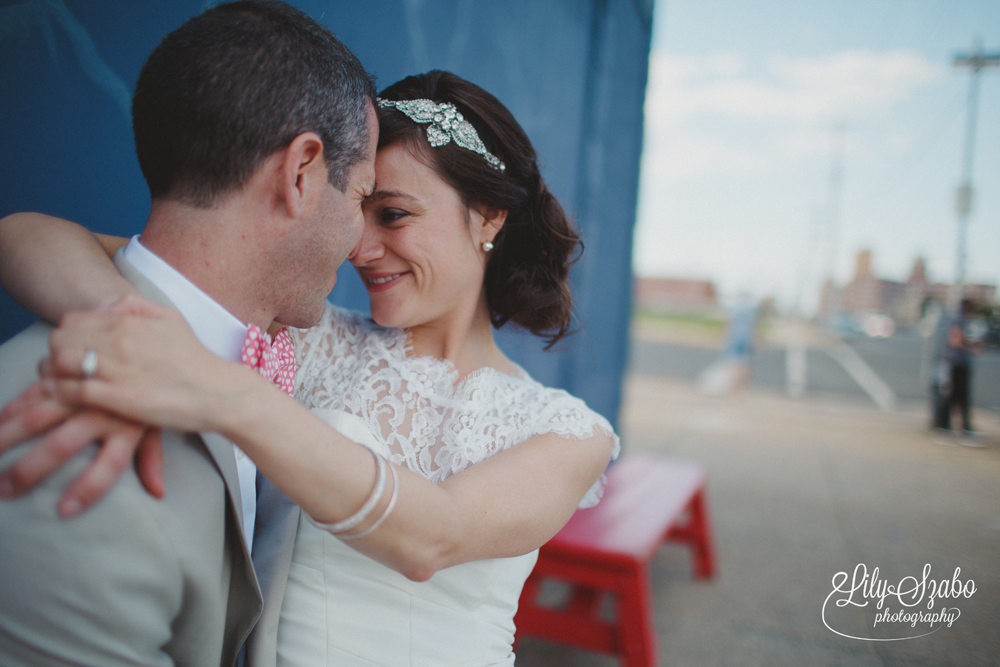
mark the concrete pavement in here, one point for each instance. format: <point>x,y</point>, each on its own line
<point>800,490</point>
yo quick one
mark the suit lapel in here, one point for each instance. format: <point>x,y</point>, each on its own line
<point>218,447</point>
<point>222,453</point>
<point>244,599</point>
<point>245,603</point>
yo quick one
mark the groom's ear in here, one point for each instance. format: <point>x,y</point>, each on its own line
<point>303,178</point>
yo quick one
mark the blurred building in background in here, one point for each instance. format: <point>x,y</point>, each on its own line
<point>904,303</point>
<point>676,295</point>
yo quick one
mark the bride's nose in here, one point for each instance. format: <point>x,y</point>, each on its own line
<point>369,246</point>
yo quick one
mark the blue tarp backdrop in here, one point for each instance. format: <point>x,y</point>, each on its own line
<point>573,72</point>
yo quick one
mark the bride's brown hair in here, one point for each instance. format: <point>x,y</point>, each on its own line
<point>527,272</point>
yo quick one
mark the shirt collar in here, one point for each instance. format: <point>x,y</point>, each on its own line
<point>214,326</point>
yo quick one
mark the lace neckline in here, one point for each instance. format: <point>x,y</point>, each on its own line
<point>404,340</point>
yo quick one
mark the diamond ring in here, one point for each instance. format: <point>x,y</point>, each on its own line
<point>89,363</point>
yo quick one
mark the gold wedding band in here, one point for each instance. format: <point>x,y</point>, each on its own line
<point>89,363</point>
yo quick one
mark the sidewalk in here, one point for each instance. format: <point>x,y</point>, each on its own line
<point>800,490</point>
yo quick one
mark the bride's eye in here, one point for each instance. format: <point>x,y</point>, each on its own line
<point>391,215</point>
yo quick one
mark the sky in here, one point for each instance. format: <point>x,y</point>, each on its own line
<point>750,107</point>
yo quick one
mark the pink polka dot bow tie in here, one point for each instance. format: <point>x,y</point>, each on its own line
<point>275,361</point>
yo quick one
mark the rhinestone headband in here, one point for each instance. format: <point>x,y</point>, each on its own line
<point>446,124</point>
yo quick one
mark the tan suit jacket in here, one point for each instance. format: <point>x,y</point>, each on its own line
<point>134,580</point>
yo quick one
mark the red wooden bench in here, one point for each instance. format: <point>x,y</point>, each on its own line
<point>606,550</point>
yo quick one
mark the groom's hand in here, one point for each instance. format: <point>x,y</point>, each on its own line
<point>65,432</point>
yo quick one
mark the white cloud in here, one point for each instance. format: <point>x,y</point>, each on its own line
<point>672,93</point>
<point>898,143</point>
<point>855,84</point>
<point>805,89</point>
<point>685,155</point>
<point>718,114</point>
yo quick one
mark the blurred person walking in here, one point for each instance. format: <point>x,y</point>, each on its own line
<point>952,372</point>
<point>732,370</point>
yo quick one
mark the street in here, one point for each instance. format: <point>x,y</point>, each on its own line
<point>897,361</point>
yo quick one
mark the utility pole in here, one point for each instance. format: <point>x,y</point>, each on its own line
<point>834,192</point>
<point>976,61</point>
<point>835,187</point>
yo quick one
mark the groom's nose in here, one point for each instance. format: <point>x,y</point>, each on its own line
<point>360,235</point>
<point>369,246</point>
<point>365,249</point>
<point>357,249</point>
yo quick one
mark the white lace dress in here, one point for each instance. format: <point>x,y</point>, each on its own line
<point>342,608</point>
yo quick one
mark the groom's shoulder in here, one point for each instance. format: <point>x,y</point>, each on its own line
<point>19,359</point>
<point>33,337</point>
<point>155,576</point>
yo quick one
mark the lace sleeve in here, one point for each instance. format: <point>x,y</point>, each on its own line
<point>569,417</point>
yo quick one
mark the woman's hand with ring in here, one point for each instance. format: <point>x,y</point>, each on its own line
<point>152,368</point>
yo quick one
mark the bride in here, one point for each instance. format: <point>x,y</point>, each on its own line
<point>477,465</point>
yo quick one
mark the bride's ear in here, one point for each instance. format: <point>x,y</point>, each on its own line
<point>493,220</point>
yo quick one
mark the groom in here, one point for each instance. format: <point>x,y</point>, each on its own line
<point>255,130</point>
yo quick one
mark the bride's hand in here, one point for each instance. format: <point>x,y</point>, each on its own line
<point>66,432</point>
<point>150,367</point>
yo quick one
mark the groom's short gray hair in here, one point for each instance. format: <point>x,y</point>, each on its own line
<point>235,84</point>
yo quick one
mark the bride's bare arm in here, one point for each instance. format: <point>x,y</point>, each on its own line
<point>507,505</point>
<point>155,371</point>
<point>53,266</point>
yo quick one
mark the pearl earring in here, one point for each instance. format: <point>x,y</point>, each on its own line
<point>487,245</point>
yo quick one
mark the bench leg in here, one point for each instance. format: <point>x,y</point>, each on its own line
<point>636,629</point>
<point>577,622</point>
<point>696,532</point>
<point>584,602</point>
<point>527,602</point>
<point>704,550</point>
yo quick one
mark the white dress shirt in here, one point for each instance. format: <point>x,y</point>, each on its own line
<point>218,330</point>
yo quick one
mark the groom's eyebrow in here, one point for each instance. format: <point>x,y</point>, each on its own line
<point>387,194</point>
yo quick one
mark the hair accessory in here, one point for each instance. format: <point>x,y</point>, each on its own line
<point>385,514</point>
<point>487,245</point>
<point>89,364</point>
<point>366,509</point>
<point>446,124</point>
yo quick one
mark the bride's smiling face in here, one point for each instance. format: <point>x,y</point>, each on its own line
<point>420,255</point>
